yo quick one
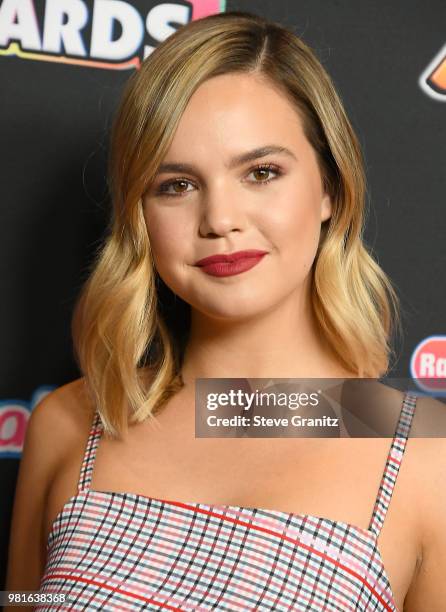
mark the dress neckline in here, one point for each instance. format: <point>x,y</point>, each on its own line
<point>218,511</point>
<point>255,514</point>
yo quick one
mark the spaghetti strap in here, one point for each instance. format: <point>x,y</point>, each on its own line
<point>393,463</point>
<point>90,454</point>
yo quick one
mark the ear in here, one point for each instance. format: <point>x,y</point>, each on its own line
<point>326,208</point>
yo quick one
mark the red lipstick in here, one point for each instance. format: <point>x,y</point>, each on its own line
<point>228,264</point>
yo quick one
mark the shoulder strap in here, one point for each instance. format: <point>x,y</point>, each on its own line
<point>393,463</point>
<point>90,453</point>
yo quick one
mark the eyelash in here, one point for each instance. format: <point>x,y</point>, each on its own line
<point>161,189</point>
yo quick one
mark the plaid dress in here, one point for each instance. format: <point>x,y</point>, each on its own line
<point>124,551</point>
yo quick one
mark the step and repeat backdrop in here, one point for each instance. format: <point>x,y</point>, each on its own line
<point>63,64</point>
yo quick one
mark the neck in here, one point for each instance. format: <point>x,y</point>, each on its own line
<point>284,342</point>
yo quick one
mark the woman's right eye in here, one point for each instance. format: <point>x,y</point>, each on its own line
<point>163,188</point>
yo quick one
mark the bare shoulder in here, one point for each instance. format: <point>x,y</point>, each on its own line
<point>56,424</point>
<point>429,419</point>
<point>377,406</point>
<point>61,421</point>
<point>67,416</point>
<point>425,453</point>
<point>428,589</point>
<point>61,416</point>
<point>424,470</point>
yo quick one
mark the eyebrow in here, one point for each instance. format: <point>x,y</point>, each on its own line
<point>238,160</point>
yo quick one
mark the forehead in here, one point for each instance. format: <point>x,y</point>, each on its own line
<point>240,111</point>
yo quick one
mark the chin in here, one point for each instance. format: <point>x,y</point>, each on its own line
<point>231,310</point>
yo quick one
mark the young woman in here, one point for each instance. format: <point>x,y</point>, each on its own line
<point>230,143</point>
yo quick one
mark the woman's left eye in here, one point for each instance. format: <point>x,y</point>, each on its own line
<point>263,170</point>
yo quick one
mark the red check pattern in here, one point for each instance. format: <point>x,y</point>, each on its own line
<point>124,551</point>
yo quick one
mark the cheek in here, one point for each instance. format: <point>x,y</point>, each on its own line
<point>294,229</point>
<point>167,236</point>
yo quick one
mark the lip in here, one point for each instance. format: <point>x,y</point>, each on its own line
<point>231,263</point>
<point>230,257</point>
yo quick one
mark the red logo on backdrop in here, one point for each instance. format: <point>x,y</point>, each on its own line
<point>428,364</point>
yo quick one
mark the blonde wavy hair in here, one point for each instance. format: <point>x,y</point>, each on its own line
<point>125,323</point>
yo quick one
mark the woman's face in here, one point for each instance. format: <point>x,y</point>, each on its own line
<point>219,206</point>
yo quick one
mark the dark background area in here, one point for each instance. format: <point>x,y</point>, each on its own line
<point>54,126</point>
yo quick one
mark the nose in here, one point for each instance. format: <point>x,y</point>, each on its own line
<point>221,212</point>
